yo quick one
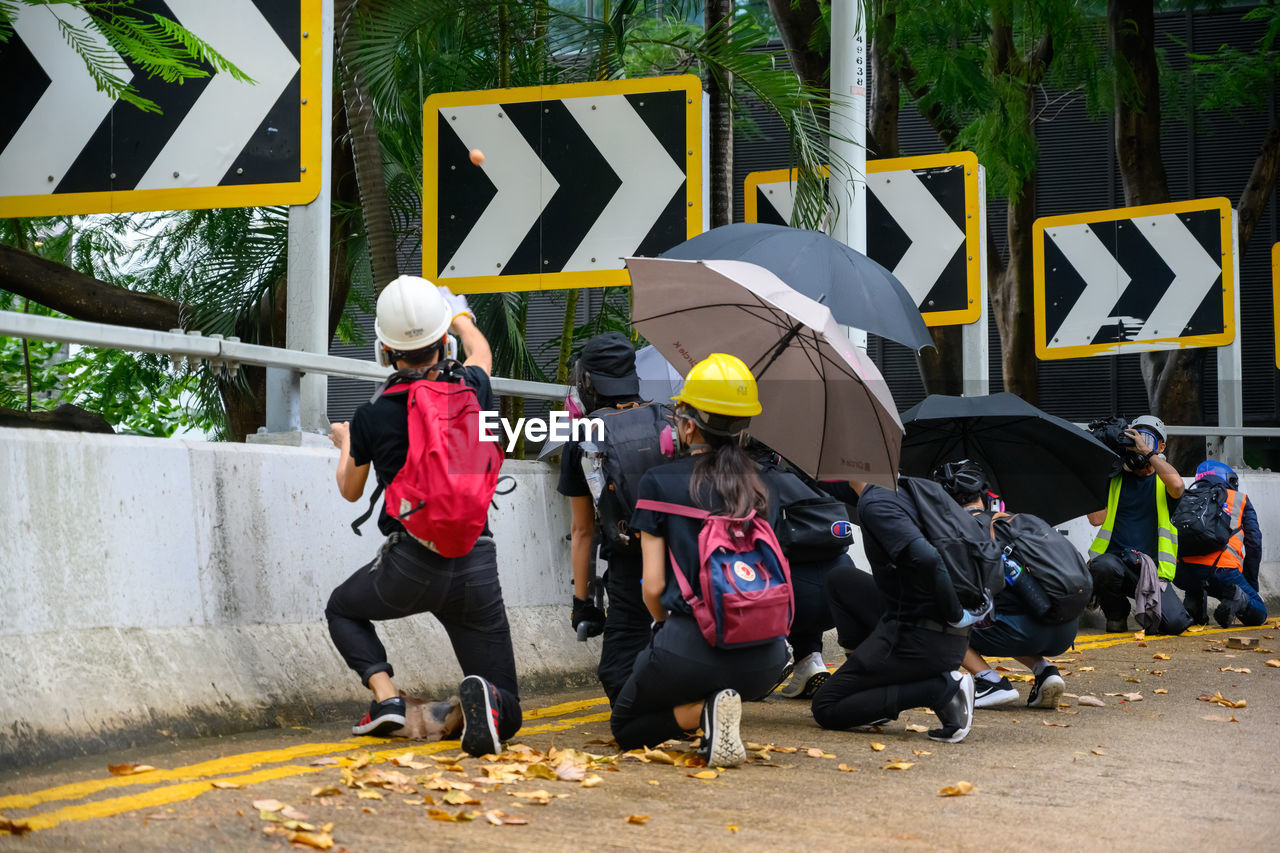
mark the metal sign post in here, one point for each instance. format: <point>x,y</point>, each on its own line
<point>975,339</point>
<point>849,130</point>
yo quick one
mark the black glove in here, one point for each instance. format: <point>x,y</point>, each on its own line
<point>585,611</point>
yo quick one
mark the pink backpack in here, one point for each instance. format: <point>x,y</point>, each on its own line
<point>743,576</point>
<point>442,493</point>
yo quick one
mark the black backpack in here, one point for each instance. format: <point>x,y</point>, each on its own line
<point>632,444</point>
<point>1203,523</point>
<point>1051,559</point>
<point>968,552</point>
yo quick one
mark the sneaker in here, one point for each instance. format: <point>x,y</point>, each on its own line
<point>383,718</point>
<point>1047,690</point>
<point>988,694</point>
<point>1118,626</point>
<point>721,740</point>
<point>808,676</point>
<point>479,716</point>
<point>956,714</point>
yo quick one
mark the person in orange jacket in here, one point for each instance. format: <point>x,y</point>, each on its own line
<point>1223,574</point>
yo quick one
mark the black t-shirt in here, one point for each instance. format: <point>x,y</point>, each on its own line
<point>1136,523</point>
<point>890,522</point>
<point>380,435</point>
<point>670,483</point>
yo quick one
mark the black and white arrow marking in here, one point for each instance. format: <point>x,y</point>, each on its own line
<point>1139,279</point>
<point>574,184</point>
<point>932,234</point>
<point>77,139</point>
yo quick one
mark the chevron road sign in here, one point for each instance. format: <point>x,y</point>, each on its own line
<point>922,225</point>
<point>1134,279</point>
<point>575,177</point>
<point>67,148</point>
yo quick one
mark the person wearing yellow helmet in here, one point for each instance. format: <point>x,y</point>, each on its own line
<point>681,682</point>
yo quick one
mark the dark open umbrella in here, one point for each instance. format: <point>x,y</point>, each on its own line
<point>858,291</point>
<point>1037,463</point>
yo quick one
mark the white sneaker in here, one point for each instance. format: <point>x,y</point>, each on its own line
<point>809,674</point>
<point>956,714</point>
<point>721,740</point>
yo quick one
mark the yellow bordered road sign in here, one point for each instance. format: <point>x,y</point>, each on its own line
<point>1134,279</point>
<point>575,177</point>
<point>66,148</point>
<point>1275,298</point>
<point>922,225</point>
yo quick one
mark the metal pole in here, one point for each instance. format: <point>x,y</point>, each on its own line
<point>848,182</point>
<point>307,303</point>
<point>1230,367</point>
<point>975,339</point>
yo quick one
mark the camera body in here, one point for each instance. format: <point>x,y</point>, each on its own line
<point>1111,432</point>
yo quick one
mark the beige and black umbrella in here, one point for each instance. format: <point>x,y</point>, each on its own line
<point>827,409</point>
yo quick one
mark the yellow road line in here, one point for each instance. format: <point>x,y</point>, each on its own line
<point>244,762</point>
<point>189,790</point>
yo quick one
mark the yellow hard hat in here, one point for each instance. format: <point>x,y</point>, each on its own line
<point>721,384</point>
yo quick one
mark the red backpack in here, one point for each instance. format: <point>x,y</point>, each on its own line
<point>745,581</point>
<point>443,491</point>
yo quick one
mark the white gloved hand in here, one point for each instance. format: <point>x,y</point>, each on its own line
<point>457,304</point>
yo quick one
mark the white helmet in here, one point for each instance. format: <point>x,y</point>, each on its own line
<point>411,314</point>
<point>1152,424</point>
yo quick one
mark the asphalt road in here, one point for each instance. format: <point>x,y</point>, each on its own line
<point>1166,771</point>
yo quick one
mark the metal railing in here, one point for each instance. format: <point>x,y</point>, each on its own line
<point>228,351</point>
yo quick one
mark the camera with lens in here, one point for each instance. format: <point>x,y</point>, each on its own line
<point>1111,432</point>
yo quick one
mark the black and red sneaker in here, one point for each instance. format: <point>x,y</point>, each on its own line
<point>383,718</point>
<point>479,716</point>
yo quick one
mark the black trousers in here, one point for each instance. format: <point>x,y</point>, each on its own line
<point>893,666</point>
<point>1115,581</point>
<point>463,593</point>
<point>679,667</point>
<point>626,624</point>
<point>813,614</point>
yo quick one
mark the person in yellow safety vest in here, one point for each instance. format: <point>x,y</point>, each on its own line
<point>1136,519</point>
<point>1223,574</point>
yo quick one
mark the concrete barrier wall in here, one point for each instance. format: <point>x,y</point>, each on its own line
<point>160,587</point>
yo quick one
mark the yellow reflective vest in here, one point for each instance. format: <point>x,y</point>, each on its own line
<point>1167,558</point>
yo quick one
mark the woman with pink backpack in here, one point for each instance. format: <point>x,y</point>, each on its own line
<point>714,577</point>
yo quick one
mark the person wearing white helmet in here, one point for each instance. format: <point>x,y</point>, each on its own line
<point>1135,521</point>
<point>408,576</point>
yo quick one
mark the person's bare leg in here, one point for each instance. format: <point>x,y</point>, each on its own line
<point>1030,662</point>
<point>383,689</point>
<point>688,717</point>
<point>973,662</point>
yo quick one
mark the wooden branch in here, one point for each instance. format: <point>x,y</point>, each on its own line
<point>1258,189</point>
<point>83,297</point>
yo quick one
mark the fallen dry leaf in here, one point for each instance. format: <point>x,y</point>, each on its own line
<point>1218,699</point>
<point>732,828</point>
<point>899,765</point>
<point>591,781</point>
<point>786,749</point>
<point>1160,690</point>
<point>959,789</point>
<point>540,797</point>
<point>916,727</point>
<point>1057,725</point>
<point>324,762</point>
<point>460,798</point>
<point>314,840</point>
<point>846,768</point>
<point>637,819</point>
<point>1086,669</point>
<point>1243,669</point>
<point>225,785</point>
<point>878,747</point>
<point>1098,751</point>
<point>326,791</point>
<point>1140,635</point>
<point>362,759</point>
<point>268,805</point>
<point>293,814</point>
<point>704,774</point>
<point>370,795</point>
<point>658,756</point>
<point>1160,656</point>
<point>1156,672</point>
<point>1218,718</point>
<point>128,769</point>
<point>1274,662</point>
<point>14,827</point>
<point>1091,701</point>
<point>1196,629</point>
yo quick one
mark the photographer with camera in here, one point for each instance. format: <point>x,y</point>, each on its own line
<point>1135,523</point>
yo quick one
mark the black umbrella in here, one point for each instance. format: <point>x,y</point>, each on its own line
<point>859,291</point>
<point>1037,463</point>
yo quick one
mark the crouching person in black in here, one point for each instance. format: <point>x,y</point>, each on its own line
<point>407,576</point>
<point>908,657</point>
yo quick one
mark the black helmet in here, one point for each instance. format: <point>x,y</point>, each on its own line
<point>963,480</point>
